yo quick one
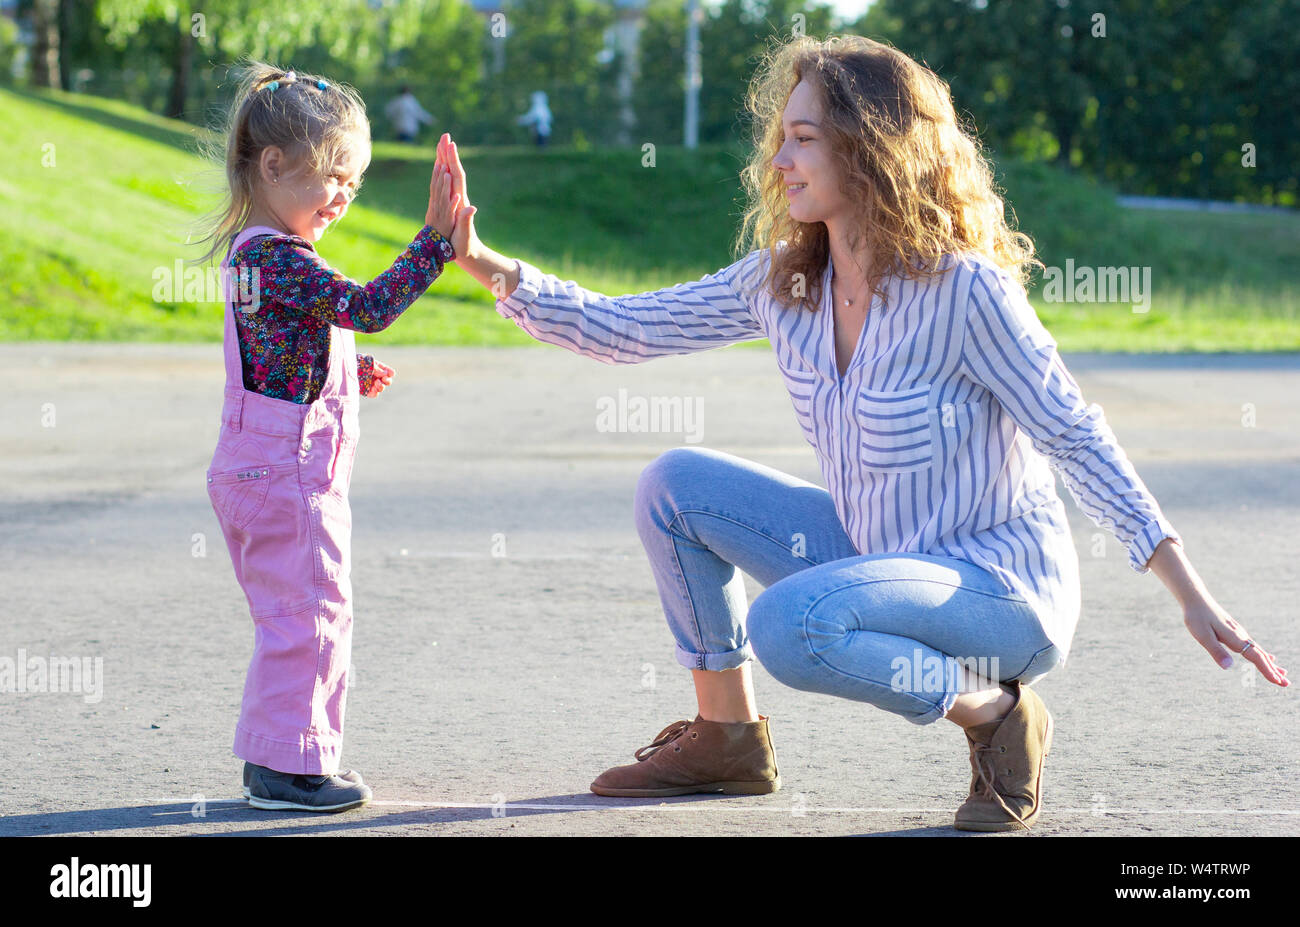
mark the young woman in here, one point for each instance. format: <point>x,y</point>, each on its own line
<point>937,577</point>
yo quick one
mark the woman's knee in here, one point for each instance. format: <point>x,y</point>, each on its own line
<point>1042,663</point>
<point>659,488</point>
<point>776,636</point>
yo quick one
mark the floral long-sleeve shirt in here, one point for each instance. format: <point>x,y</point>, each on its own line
<point>284,332</point>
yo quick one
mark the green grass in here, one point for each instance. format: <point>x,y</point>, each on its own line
<point>83,236</point>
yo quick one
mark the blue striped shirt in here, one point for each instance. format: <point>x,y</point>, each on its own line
<point>941,436</point>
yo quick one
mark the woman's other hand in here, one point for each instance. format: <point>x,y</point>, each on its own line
<point>1221,636</point>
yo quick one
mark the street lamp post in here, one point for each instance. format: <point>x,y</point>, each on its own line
<point>692,73</point>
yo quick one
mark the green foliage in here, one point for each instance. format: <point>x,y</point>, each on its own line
<point>1155,96</point>
<point>8,49</point>
<point>98,198</point>
<point>551,46</point>
<point>733,37</point>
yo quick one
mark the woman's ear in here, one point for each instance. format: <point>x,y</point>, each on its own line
<point>271,164</point>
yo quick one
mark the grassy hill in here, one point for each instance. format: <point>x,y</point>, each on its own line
<point>98,196</point>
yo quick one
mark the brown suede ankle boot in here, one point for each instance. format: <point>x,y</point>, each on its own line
<point>698,756</point>
<point>1007,770</point>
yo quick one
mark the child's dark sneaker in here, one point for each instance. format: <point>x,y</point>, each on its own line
<point>346,775</point>
<point>277,791</point>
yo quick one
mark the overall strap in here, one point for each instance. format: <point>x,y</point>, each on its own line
<point>230,340</point>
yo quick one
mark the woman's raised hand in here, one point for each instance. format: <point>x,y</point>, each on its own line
<point>497,272</point>
<point>443,202</point>
<point>463,239</point>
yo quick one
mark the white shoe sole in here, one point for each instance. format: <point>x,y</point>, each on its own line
<point>271,804</point>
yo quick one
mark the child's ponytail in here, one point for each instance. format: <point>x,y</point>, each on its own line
<point>311,119</point>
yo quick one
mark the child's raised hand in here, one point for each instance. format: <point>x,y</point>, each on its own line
<point>382,379</point>
<point>443,204</point>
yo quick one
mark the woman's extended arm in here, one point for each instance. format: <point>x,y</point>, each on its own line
<point>1009,352</point>
<point>713,311</point>
<point>497,272</point>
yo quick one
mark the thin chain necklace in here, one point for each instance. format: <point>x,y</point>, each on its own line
<point>848,303</point>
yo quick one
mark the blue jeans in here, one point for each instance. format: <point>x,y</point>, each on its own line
<point>899,630</point>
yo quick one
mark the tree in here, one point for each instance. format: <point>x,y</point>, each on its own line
<point>45,44</point>
<point>1157,96</point>
<point>552,46</point>
<point>243,27</point>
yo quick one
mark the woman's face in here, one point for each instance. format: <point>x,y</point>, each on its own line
<point>812,180</point>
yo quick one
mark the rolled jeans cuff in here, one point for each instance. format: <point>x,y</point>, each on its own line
<point>715,661</point>
<point>936,712</point>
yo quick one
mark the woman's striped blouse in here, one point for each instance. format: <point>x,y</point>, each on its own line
<point>941,435</point>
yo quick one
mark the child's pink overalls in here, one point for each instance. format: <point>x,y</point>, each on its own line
<point>279,485</point>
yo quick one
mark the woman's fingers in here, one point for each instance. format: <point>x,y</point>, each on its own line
<point>1222,636</point>
<point>1267,665</point>
<point>458,173</point>
<point>1238,640</point>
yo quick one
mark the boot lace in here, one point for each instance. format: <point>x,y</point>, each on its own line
<point>988,778</point>
<point>666,736</point>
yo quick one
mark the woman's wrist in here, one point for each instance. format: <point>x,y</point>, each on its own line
<point>494,271</point>
<point>1174,569</point>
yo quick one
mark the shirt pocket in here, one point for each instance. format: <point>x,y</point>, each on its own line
<point>802,385</point>
<point>895,429</point>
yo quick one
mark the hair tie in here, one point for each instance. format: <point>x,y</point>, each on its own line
<point>272,86</point>
<point>321,85</point>
<point>291,77</point>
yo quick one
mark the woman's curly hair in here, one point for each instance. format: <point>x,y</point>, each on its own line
<point>922,183</point>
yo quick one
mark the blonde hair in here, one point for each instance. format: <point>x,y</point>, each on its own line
<point>921,182</point>
<point>312,120</point>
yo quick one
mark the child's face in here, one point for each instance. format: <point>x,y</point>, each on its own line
<point>308,203</point>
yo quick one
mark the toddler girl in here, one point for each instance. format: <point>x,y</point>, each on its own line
<point>295,152</point>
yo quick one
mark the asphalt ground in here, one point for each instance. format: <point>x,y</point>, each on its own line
<point>509,644</point>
